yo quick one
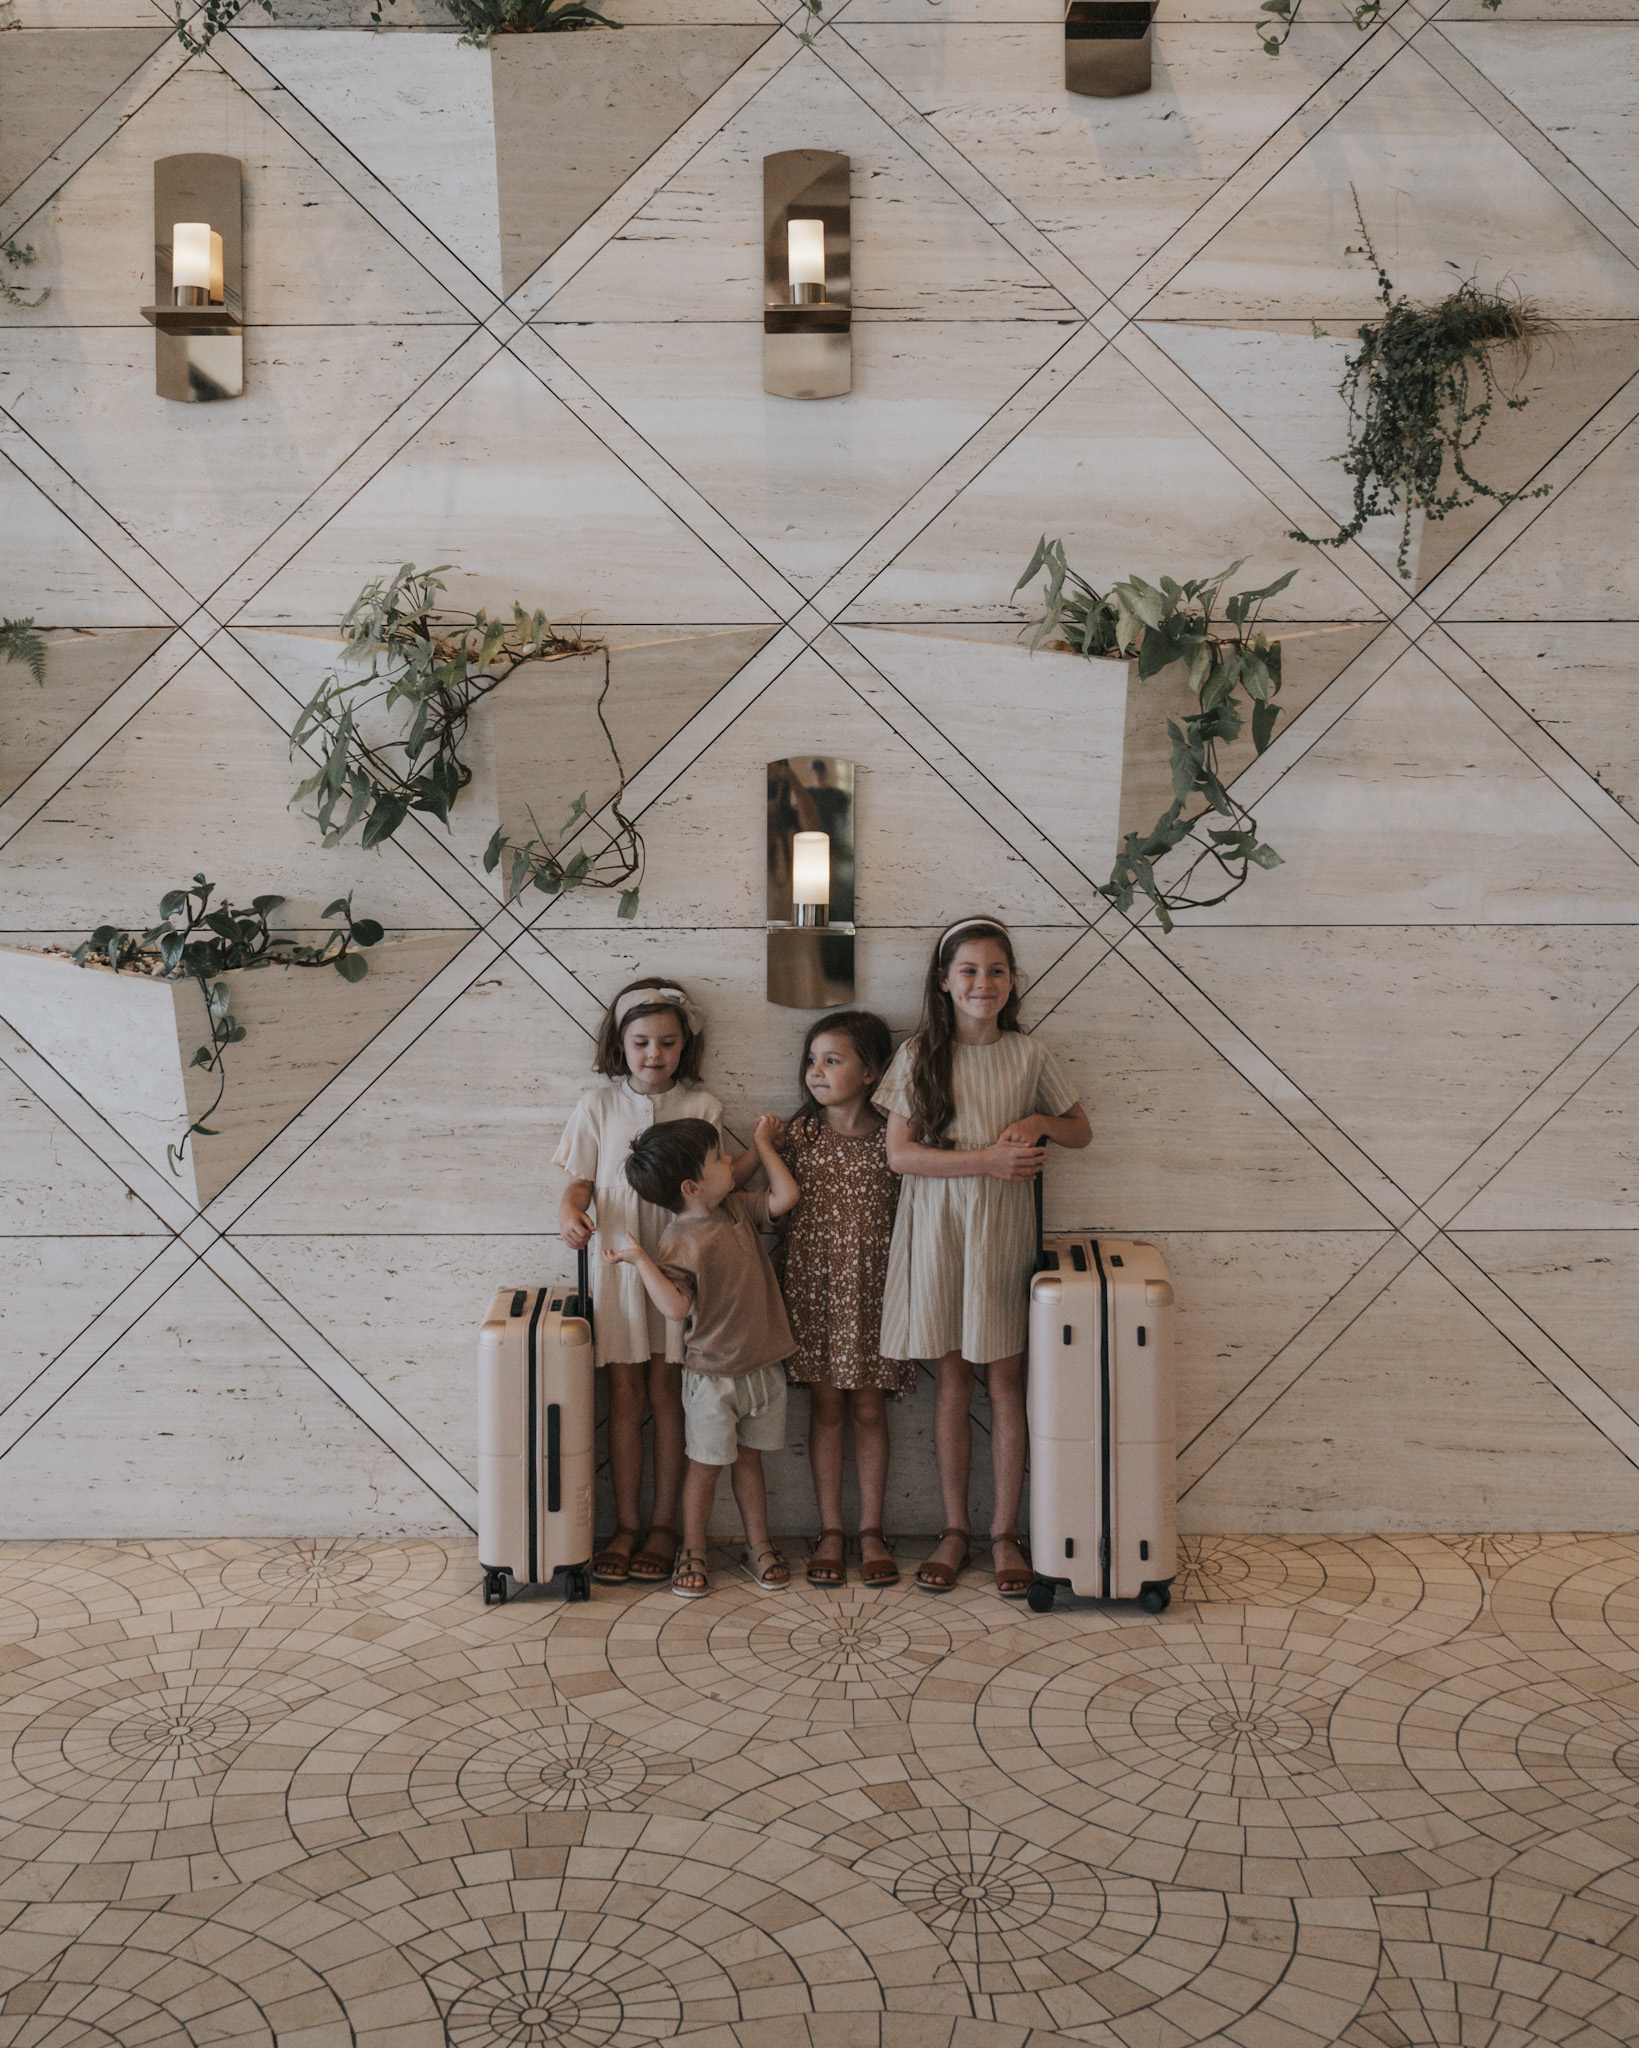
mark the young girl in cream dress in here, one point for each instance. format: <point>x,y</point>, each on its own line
<point>971,1102</point>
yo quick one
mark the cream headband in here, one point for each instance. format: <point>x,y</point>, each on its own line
<point>660,998</point>
<point>967,924</point>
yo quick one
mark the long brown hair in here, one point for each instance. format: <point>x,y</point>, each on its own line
<point>610,1056</point>
<point>933,1101</point>
<point>865,1032</point>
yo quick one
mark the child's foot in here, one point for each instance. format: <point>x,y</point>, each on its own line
<point>826,1566</point>
<point>1013,1573</point>
<point>654,1561</point>
<point>764,1566</point>
<point>876,1562</point>
<point>689,1580</point>
<point>613,1564</point>
<point>942,1569</point>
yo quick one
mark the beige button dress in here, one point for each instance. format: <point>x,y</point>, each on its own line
<point>628,1328</point>
<point>963,1249</point>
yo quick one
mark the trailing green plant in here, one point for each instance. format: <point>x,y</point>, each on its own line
<point>197,27</point>
<point>20,642</point>
<point>538,863</point>
<point>1420,392</point>
<point>1283,14</point>
<point>482,19</point>
<point>21,256</point>
<point>436,666</point>
<point>1160,625</point>
<point>193,942</point>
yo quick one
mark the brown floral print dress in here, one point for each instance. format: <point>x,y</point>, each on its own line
<point>836,1261</point>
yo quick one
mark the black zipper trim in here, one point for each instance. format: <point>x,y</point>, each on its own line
<point>532,1459</point>
<point>1106,1530</point>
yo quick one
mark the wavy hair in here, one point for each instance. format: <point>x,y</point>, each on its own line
<point>933,1100</point>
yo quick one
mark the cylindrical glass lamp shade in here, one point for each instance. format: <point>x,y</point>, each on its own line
<point>191,258</point>
<point>810,868</point>
<point>805,255</point>
<point>216,268</point>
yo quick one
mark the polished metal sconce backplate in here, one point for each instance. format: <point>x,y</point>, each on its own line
<point>807,286</point>
<point>1107,47</point>
<point>810,882</point>
<point>199,350</point>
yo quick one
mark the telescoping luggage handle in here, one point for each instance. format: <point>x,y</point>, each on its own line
<point>579,1305</point>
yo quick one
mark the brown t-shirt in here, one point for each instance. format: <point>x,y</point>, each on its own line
<point>738,1321</point>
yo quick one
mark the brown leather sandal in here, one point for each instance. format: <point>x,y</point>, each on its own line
<point>934,1577</point>
<point>821,1570</point>
<point>613,1567</point>
<point>876,1571</point>
<point>1012,1584</point>
<point>652,1567</point>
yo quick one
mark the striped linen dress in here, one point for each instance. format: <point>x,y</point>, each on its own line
<point>963,1249</point>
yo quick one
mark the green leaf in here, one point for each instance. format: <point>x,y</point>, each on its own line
<point>492,852</point>
<point>1263,724</point>
<point>366,932</point>
<point>628,903</point>
<point>352,966</point>
<point>389,813</point>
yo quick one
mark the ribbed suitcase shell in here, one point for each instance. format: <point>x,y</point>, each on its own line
<point>535,1454</point>
<point>1103,1508</point>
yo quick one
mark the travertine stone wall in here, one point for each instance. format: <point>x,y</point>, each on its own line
<point>1378,1108</point>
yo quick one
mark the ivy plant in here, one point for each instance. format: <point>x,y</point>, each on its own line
<point>434,666</point>
<point>197,28</point>
<point>1420,391</point>
<point>194,942</point>
<point>482,19</point>
<point>20,642</point>
<point>1159,625</point>
<point>1283,15</point>
<point>21,256</point>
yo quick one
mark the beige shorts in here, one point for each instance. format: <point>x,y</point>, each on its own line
<point>721,1411</point>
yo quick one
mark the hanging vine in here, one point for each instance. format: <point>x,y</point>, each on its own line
<point>206,944</point>
<point>1283,15</point>
<point>1177,622</point>
<point>1420,391</point>
<point>436,666</point>
<point>20,642</point>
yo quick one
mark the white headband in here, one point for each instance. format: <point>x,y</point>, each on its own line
<point>965,924</point>
<point>666,998</point>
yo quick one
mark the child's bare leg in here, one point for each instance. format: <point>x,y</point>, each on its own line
<point>699,1491</point>
<point>1009,1434</point>
<point>953,1449</point>
<point>827,1413</point>
<point>666,1403</point>
<point>868,1409</point>
<point>751,1497</point>
<point>626,1394</point>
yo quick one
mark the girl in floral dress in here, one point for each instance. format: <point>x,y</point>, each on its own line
<point>836,1266</point>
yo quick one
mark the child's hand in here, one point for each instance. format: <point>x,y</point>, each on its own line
<point>626,1253</point>
<point>576,1229</point>
<point>1008,1160</point>
<point>768,1130</point>
<point>1027,1131</point>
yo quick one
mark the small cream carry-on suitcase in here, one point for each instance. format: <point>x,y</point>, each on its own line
<point>535,1421</point>
<point>1103,1511</point>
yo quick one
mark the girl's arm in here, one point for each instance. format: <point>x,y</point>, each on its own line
<point>670,1299</point>
<point>1005,1160</point>
<point>745,1167</point>
<point>574,1225</point>
<point>1071,1130</point>
<point>783,1192</point>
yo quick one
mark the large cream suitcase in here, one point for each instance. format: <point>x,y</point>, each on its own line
<point>1103,1509</point>
<point>535,1449</point>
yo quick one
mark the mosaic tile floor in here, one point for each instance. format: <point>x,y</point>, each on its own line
<point>306,1794</point>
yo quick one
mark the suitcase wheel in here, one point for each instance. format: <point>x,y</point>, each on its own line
<point>577,1584</point>
<point>495,1588</point>
<point>1155,1599</point>
<point>1040,1596</point>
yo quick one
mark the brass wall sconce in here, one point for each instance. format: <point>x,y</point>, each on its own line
<point>199,306</point>
<point>810,882</point>
<point>1107,47</point>
<point>807,286</point>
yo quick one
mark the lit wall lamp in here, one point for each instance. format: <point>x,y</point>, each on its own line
<point>198,309</point>
<point>1107,47</point>
<point>807,287</point>
<point>810,882</point>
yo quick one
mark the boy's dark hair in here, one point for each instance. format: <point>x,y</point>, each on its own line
<point>666,1155</point>
<point>865,1032</point>
<point>610,1055</point>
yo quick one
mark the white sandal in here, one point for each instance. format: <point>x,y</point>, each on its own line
<point>690,1564</point>
<point>759,1563</point>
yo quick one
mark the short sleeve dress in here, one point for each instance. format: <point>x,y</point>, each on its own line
<point>627,1327</point>
<point>836,1261</point>
<point>963,1249</point>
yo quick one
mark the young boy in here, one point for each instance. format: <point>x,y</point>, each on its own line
<point>714,1277</point>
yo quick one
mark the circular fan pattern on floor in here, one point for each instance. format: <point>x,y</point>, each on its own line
<point>537,1994</point>
<point>329,1571</point>
<point>1583,1594</point>
<point>45,1587</point>
<point>524,1766</point>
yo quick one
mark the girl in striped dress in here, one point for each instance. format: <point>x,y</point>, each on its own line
<point>971,1102</point>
